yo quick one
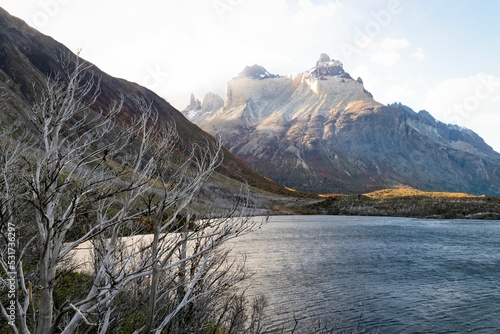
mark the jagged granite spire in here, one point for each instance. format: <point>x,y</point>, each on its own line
<point>194,103</point>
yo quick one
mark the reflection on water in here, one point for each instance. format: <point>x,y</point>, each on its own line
<point>385,275</point>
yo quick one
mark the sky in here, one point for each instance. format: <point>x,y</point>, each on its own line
<point>441,56</point>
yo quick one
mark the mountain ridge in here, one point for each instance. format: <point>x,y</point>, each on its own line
<point>322,131</point>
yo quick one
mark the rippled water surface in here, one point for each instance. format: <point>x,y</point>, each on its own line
<point>377,274</point>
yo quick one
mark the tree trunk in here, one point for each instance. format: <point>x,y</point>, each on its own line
<point>155,276</point>
<point>47,276</point>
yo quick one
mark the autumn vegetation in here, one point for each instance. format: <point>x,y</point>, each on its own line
<point>405,201</point>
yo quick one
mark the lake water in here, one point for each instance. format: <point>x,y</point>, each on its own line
<point>377,274</point>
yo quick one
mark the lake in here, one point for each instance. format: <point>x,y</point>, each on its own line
<point>377,274</point>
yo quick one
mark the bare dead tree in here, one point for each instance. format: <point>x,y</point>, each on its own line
<point>85,180</point>
<point>14,217</point>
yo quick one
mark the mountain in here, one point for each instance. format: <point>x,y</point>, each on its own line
<point>322,131</point>
<point>28,57</point>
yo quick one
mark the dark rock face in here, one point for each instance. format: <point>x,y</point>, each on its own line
<point>327,67</point>
<point>326,134</point>
<point>256,72</point>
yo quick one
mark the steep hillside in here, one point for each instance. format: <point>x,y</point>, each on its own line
<point>323,132</point>
<point>27,57</point>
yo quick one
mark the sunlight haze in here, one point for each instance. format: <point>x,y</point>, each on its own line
<point>439,56</point>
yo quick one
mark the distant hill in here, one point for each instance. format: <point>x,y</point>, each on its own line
<point>408,202</point>
<point>322,131</point>
<point>411,192</point>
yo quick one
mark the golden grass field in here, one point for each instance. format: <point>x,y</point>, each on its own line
<point>405,191</point>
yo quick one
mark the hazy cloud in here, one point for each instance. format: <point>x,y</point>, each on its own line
<point>391,44</point>
<point>419,54</point>
<point>470,102</point>
<point>388,51</point>
<point>177,47</point>
<point>398,94</point>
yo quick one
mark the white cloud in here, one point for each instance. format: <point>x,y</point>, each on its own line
<point>364,72</point>
<point>385,58</point>
<point>419,54</point>
<point>391,44</point>
<point>388,51</point>
<point>420,80</point>
<point>398,94</point>
<point>472,101</point>
<point>486,124</point>
<point>308,7</point>
<point>461,98</point>
<point>305,23</point>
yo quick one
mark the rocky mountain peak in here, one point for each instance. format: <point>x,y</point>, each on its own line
<point>326,67</point>
<point>427,115</point>
<point>211,102</point>
<point>194,103</point>
<point>256,72</point>
<point>321,131</point>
